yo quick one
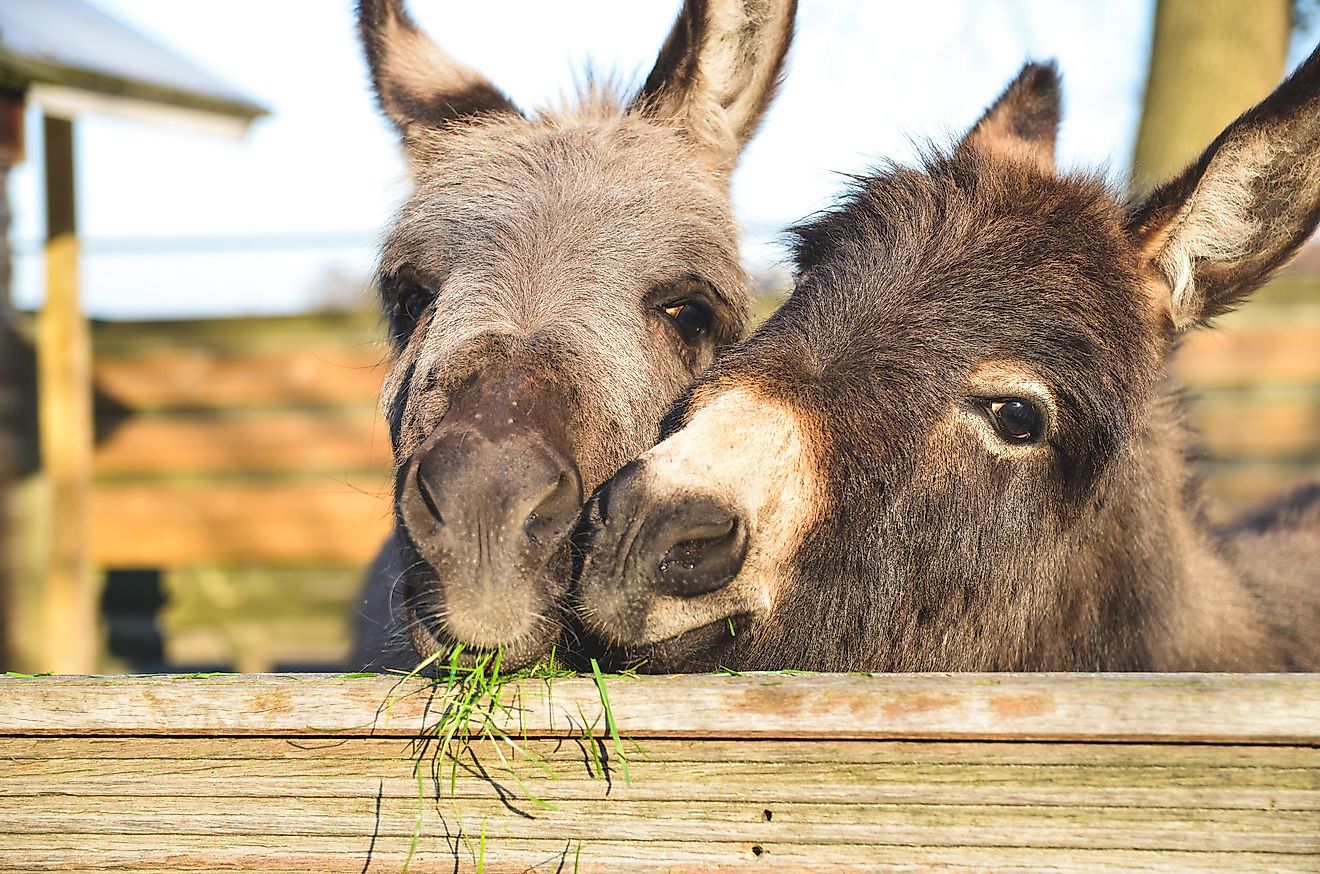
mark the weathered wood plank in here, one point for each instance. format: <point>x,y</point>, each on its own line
<point>661,750</point>
<point>1266,708</point>
<point>98,778</point>
<point>850,823</point>
<point>709,771</point>
<point>768,787</point>
<point>298,855</point>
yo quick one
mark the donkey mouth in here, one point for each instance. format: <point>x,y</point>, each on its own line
<point>704,648</point>
<point>433,641</point>
<point>468,620</point>
<point>482,603</point>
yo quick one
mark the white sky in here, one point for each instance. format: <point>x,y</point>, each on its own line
<point>867,79</point>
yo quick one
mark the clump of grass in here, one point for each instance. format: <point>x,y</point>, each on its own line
<point>473,715</point>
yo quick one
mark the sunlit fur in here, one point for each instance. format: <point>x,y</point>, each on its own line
<point>548,241</point>
<point>934,544</point>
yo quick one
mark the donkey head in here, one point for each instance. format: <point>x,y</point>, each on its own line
<point>552,283</point>
<point>936,455</point>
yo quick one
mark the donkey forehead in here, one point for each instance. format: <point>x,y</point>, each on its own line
<point>965,264</point>
<point>604,194</point>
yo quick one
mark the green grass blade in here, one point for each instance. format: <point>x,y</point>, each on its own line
<point>610,724</point>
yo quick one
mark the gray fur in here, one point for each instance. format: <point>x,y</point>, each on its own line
<point>549,243</point>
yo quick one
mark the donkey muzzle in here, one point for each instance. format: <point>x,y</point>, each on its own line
<point>656,566</point>
<point>488,501</point>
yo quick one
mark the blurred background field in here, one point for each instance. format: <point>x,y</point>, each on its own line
<point>238,472</point>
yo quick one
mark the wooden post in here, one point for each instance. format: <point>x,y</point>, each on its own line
<point>9,391</point>
<point>12,104</point>
<point>65,421</point>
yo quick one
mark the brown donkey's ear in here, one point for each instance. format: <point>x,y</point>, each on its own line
<point>1222,228</point>
<point>1024,122</point>
<point>417,82</point>
<point>718,72</point>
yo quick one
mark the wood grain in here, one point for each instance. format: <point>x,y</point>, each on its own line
<point>710,771</point>
<point>1237,708</point>
<point>766,772</point>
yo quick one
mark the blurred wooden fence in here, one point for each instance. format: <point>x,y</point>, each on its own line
<point>252,441</point>
<point>764,772</point>
<point>242,467</point>
<point>247,460</point>
<point>1256,388</point>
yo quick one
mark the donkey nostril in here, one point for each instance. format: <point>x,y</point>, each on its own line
<point>427,479</point>
<point>687,554</point>
<point>706,546</point>
<point>552,518</point>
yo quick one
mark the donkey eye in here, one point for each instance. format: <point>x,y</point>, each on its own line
<point>1016,420</point>
<point>412,300</point>
<point>690,317</point>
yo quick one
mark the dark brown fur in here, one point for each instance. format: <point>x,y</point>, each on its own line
<point>914,537</point>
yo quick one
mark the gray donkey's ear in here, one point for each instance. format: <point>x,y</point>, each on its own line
<point>1223,227</point>
<point>1023,123</point>
<point>417,82</point>
<point>719,70</point>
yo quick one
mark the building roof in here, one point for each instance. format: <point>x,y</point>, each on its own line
<point>71,49</point>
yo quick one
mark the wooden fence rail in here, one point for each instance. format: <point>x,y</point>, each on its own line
<point>322,773</point>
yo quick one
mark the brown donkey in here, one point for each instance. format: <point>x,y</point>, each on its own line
<point>956,447</point>
<point>552,283</point>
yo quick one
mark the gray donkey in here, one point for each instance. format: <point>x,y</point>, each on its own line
<point>955,447</point>
<point>553,282</point>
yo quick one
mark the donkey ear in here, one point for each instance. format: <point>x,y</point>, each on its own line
<point>1220,230</point>
<point>1024,122</point>
<point>417,82</point>
<point>719,70</point>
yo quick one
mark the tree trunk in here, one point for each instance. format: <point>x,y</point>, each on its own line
<point>1210,60</point>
